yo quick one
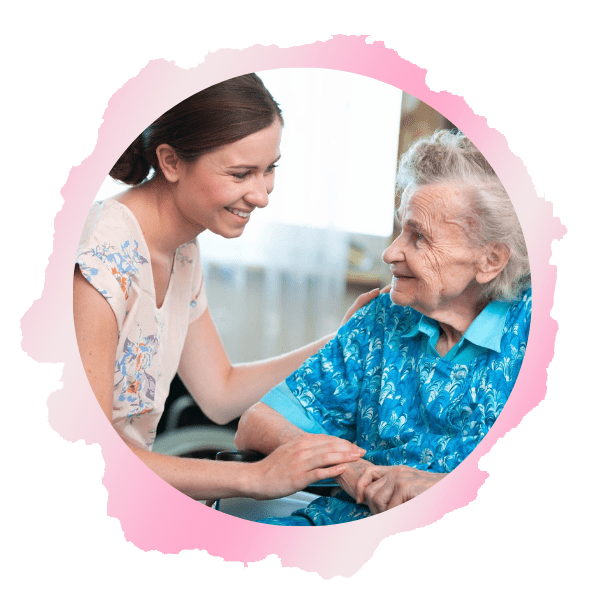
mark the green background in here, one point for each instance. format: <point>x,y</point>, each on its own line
<point>522,68</point>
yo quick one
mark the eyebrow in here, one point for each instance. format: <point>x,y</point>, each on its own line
<point>415,225</point>
<point>251,166</point>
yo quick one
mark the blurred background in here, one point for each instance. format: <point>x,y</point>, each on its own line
<point>304,259</point>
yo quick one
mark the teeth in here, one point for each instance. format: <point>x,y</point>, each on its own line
<point>236,212</point>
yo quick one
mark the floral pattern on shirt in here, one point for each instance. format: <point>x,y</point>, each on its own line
<point>122,264</point>
<point>88,272</point>
<point>137,386</point>
<point>373,386</point>
<point>114,257</point>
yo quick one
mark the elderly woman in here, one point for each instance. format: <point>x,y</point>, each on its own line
<point>416,378</point>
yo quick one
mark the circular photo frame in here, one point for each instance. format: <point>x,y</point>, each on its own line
<point>154,515</point>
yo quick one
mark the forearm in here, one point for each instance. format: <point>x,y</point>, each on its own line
<point>263,429</point>
<point>224,391</point>
<point>288,469</point>
<point>199,479</point>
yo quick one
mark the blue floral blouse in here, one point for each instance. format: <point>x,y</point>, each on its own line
<point>377,384</point>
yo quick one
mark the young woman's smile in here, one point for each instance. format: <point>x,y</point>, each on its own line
<point>220,190</point>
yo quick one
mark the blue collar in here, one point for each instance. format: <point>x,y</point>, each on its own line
<point>484,333</point>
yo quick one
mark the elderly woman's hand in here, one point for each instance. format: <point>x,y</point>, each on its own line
<point>362,300</point>
<point>385,487</point>
<point>351,477</point>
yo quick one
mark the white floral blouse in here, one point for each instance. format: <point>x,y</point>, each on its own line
<point>114,258</point>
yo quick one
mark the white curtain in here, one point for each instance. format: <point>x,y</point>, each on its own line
<point>279,293</point>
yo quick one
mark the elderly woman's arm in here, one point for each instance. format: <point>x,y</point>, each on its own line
<point>263,429</point>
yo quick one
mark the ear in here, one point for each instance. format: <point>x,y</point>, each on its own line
<point>492,262</point>
<point>169,162</point>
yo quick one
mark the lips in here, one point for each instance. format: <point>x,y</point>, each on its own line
<point>238,212</point>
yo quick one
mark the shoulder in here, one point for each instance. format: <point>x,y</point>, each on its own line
<point>520,313</point>
<point>112,234</point>
<point>384,315</point>
<point>110,219</point>
<point>112,254</point>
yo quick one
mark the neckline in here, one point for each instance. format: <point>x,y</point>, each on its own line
<point>167,294</point>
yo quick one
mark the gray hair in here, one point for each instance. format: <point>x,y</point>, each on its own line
<point>451,158</point>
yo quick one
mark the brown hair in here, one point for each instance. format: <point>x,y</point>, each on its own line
<point>219,115</point>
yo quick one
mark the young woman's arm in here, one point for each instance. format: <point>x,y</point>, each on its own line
<point>289,469</point>
<point>224,391</point>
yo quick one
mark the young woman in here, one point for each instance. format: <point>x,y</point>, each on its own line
<point>139,300</point>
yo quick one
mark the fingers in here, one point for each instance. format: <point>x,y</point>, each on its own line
<point>387,491</point>
<point>331,458</point>
<point>368,476</point>
<point>327,456</point>
<point>327,473</point>
<point>386,289</point>
<point>325,444</point>
<point>362,300</point>
<point>375,495</point>
<point>366,297</point>
<point>312,452</point>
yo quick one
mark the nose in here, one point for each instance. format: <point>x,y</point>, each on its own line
<point>394,252</point>
<point>258,195</point>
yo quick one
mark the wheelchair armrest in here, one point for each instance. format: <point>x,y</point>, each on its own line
<point>239,455</point>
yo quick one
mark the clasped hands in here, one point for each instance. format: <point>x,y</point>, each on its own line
<point>309,458</point>
<point>384,487</point>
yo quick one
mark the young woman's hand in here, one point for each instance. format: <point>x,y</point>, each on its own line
<point>362,300</point>
<point>295,465</point>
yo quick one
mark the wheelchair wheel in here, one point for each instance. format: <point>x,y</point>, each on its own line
<point>195,441</point>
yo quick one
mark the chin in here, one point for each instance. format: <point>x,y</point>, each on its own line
<point>398,298</point>
<point>227,233</point>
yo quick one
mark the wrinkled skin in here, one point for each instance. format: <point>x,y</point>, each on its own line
<point>435,266</point>
<point>384,487</point>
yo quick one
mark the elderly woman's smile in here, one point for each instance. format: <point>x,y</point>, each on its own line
<point>434,264</point>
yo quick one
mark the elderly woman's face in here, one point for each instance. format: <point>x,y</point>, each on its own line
<point>432,261</point>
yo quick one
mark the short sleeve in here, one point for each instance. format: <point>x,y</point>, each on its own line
<point>282,400</point>
<point>109,256</point>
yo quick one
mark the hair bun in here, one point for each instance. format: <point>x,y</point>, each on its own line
<point>132,167</point>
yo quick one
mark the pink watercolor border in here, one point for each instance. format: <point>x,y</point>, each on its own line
<point>136,495</point>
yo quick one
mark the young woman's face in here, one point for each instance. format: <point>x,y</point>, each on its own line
<point>220,190</point>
